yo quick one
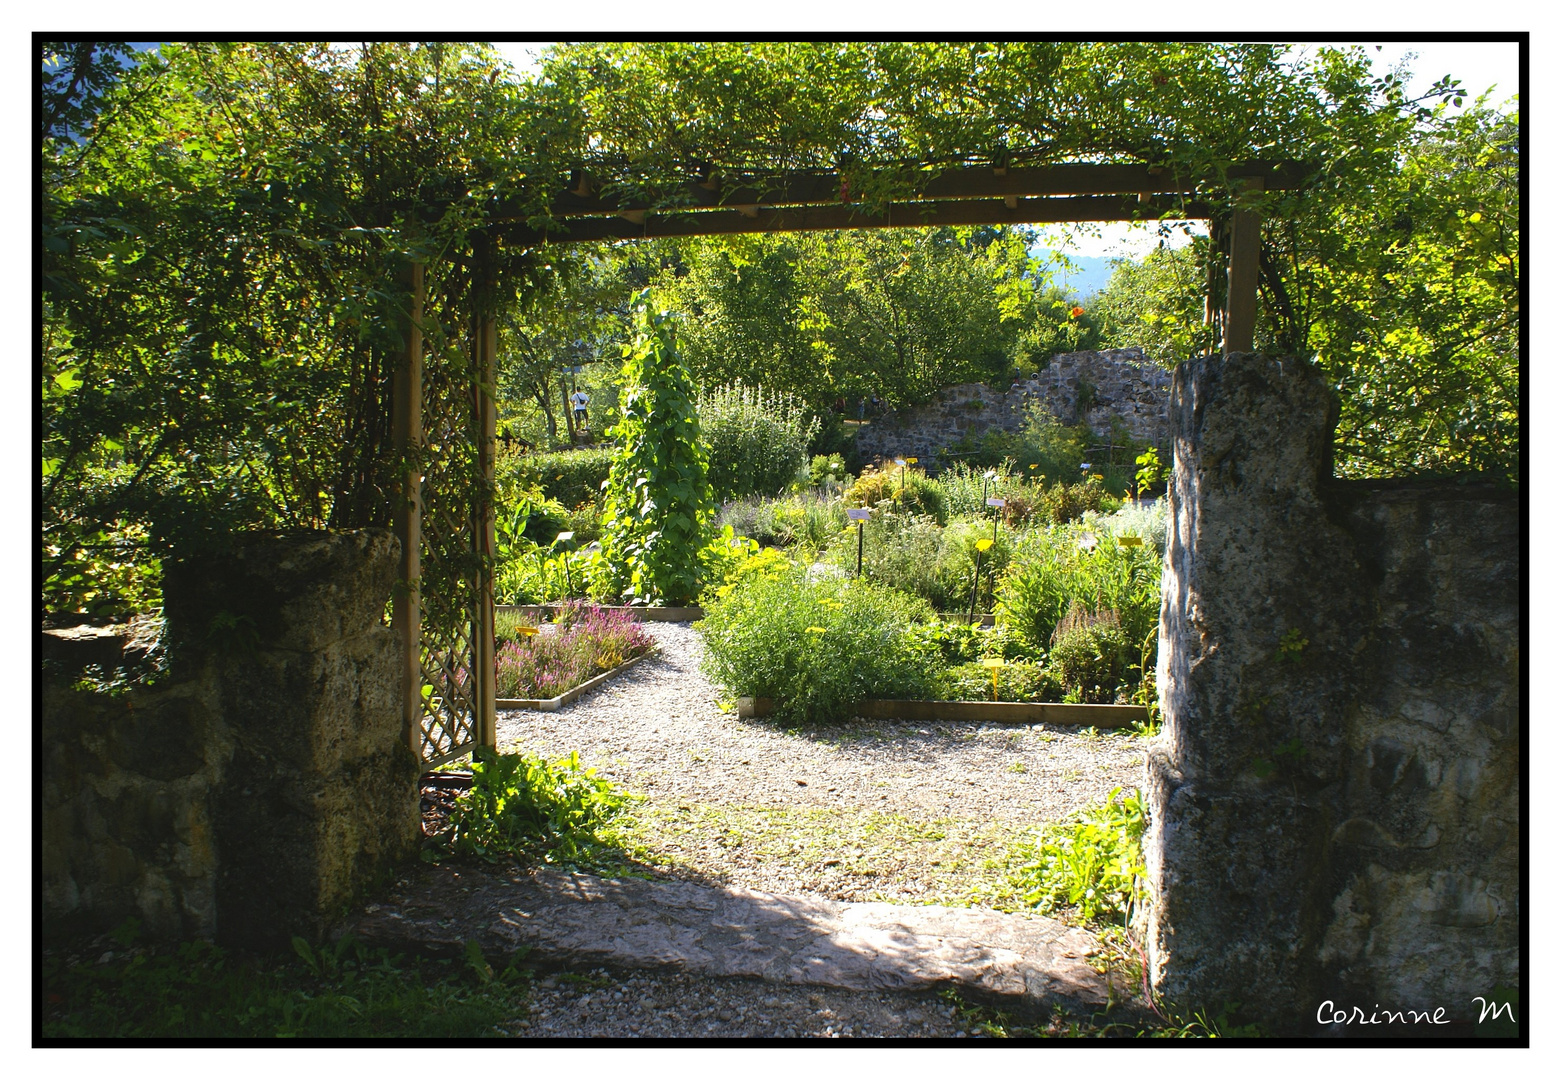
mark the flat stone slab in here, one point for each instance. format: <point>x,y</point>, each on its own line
<point>1026,964</point>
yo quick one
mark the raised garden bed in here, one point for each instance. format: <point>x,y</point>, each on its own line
<point>643,614</point>
<point>553,704</point>
<point>547,666</point>
<point>1010,712</point>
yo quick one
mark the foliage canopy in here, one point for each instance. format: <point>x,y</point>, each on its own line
<point>225,227</point>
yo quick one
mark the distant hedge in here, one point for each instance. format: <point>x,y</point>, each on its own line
<point>570,476</point>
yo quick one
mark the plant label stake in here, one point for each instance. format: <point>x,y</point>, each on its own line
<point>859,516</point>
<point>994,664</point>
<point>564,538</point>
<point>975,580</point>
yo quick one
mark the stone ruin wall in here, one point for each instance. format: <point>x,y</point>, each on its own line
<point>1334,801</point>
<point>1126,386</point>
<point>254,793</point>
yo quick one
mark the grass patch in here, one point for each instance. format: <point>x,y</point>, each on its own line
<point>865,855</point>
<point>198,990</point>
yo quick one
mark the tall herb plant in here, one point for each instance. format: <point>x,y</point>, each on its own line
<point>658,504</point>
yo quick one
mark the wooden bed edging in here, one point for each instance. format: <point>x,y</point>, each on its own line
<point>1011,712</point>
<point>553,704</point>
<point>643,614</point>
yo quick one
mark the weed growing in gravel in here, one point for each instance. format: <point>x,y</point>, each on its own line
<point>1092,865</point>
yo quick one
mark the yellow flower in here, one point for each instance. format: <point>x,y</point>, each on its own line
<point>817,630</point>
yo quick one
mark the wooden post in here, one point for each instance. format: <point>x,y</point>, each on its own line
<point>487,733</point>
<point>407,438</point>
<point>1241,283</point>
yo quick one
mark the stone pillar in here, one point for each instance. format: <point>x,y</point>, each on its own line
<point>1301,844</point>
<point>319,799</point>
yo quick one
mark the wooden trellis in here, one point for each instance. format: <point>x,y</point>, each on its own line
<point>444,408</point>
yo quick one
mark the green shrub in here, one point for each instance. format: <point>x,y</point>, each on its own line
<point>1055,450</point>
<point>805,519</point>
<point>1055,569</point>
<point>758,442</point>
<point>732,560</point>
<point>1143,520</point>
<point>901,551</point>
<point>912,554</point>
<point>815,648</point>
<point>521,805</point>
<point>657,508</point>
<point>964,643</point>
<point>1091,656</point>
<point>571,478</point>
<point>1061,503</point>
<point>826,469</point>
<point>958,562</point>
<point>966,487</point>
<point>563,570</point>
<point>905,490</point>
<point>1093,865</point>
<point>1020,681</point>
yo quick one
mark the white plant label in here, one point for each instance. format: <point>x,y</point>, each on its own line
<point>859,515</point>
<point>995,501</point>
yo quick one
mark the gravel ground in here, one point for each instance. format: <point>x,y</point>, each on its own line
<point>913,813</point>
<point>602,1005</point>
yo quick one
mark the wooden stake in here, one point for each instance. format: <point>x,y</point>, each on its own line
<point>487,420</point>
<point>1241,286</point>
<point>407,439</point>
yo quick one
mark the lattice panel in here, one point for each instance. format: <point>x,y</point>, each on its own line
<point>450,563</point>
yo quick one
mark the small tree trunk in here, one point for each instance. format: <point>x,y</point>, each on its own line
<point>545,401</point>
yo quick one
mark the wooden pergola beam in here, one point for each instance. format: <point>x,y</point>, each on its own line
<point>729,222</point>
<point>949,184</point>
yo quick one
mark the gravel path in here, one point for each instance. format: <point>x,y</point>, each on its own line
<point>910,813</point>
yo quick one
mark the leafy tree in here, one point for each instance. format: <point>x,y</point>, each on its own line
<point>223,232</point>
<point>1401,283</point>
<point>658,492</point>
<point>1157,304</point>
<point>575,314</point>
<point>896,313</point>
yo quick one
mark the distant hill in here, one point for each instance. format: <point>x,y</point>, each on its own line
<point>1089,276</point>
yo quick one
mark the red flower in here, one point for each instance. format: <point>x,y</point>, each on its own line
<point>1075,313</point>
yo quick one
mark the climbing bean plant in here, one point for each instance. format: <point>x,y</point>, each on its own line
<point>658,505</point>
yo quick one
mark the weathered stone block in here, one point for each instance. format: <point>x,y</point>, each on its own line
<point>253,798</point>
<point>300,592</point>
<point>1333,801</point>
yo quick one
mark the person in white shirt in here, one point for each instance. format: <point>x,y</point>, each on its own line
<point>579,401</point>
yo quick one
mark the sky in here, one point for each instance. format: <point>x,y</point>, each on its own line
<point>1480,66</point>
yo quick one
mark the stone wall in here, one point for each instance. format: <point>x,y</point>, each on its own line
<point>1334,799</point>
<point>253,796</point>
<point>1095,388</point>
